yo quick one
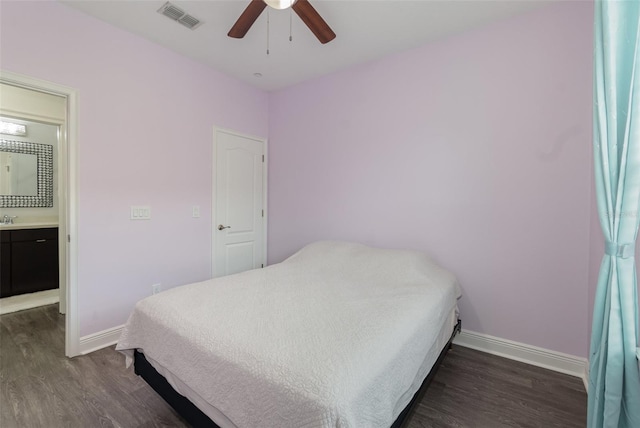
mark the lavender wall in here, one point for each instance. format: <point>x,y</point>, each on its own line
<point>476,149</point>
<point>146,118</point>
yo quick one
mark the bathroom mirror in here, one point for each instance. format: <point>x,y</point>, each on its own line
<point>26,175</point>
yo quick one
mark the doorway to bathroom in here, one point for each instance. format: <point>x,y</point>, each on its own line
<point>45,113</point>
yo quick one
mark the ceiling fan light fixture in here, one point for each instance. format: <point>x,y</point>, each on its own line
<point>280,4</point>
<point>302,8</point>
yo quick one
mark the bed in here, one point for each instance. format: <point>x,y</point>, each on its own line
<point>337,335</point>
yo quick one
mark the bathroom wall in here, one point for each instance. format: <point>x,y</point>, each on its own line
<point>41,112</point>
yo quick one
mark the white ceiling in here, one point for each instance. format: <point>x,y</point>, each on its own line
<point>365,30</point>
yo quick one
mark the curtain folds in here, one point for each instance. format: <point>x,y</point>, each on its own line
<point>614,385</point>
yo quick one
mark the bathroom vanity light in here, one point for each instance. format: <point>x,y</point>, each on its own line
<point>11,128</point>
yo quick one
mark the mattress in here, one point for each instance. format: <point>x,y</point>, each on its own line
<point>338,335</point>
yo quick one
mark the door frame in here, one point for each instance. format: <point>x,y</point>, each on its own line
<point>264,141</point>
<point>68,198</point>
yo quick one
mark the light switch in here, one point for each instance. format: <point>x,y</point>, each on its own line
<point>140,212</point>
<point>196,211</point>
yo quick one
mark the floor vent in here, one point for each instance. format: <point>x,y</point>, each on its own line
<point>176,14</point>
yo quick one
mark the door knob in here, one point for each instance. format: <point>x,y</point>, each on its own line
<point>221,227</point>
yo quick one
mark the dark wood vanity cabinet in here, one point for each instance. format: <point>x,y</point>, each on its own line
<point>5,264</point>
<point>29,261</point>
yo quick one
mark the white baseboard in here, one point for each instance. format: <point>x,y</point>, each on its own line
<point>545,358</point>
<point>585,376</point>
<point>29,301</point>
<point>99,340</point>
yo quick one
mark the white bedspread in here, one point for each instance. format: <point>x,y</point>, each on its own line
<point>332,337</point>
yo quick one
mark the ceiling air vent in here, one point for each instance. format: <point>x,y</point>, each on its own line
<point>176,14</point>
<point>189,21</point>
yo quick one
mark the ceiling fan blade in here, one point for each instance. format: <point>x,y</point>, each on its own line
<point>314,21</point>
<point>246,20</point>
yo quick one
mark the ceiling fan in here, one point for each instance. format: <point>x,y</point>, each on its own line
<point>303,8</point>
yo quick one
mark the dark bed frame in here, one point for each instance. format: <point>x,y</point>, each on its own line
<point>196,418</point>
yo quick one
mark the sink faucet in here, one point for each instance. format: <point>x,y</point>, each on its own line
<point>8,219</point>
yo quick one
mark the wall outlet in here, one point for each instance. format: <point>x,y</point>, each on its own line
<point>196,211</point>
<point>155,289</point>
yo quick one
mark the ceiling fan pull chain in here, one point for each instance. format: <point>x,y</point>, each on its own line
<point>268,31</point>
<point>290,24</point>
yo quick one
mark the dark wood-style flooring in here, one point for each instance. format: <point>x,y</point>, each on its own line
<point>40,387</point>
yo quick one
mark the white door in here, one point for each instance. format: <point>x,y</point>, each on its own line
<point>238,203</point>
